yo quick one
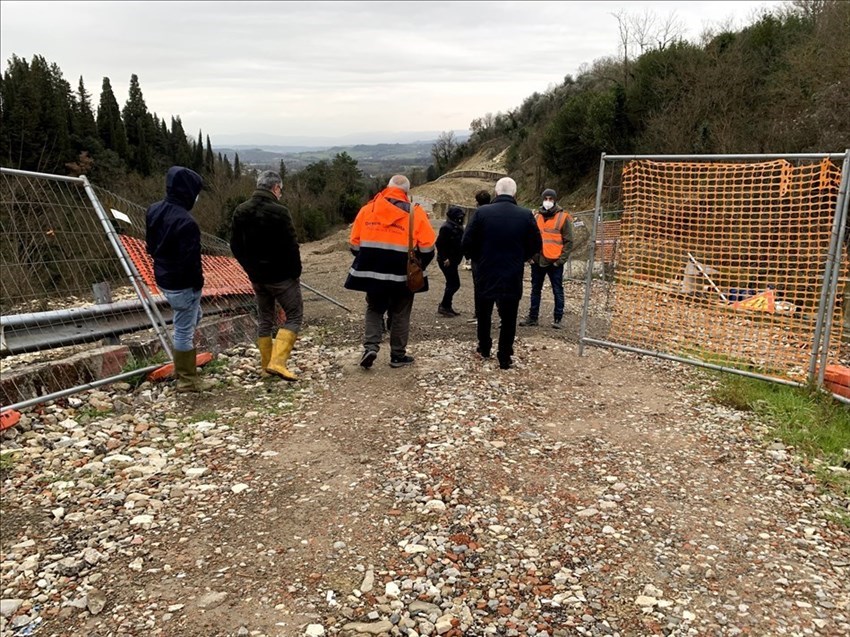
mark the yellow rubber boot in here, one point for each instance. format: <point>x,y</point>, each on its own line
<point>186,373</point>
<point>281,349</point>
<point>264,344</point>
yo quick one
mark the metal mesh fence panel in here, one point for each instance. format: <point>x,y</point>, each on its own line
<point>79,303</point>
<point>723,261</point>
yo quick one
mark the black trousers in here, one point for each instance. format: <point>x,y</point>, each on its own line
<point>507,309</point>
<point>452,284</point>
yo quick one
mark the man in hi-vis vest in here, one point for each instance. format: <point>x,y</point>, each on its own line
<point>556,230</point>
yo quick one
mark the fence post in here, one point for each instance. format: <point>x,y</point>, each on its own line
<point>830,281</point>
<point>127,263</point>
<point>597,219</point>
<point>103,296</point>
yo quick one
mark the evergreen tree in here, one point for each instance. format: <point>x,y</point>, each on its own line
<point>237,167</point>
<point>209,158</point>
<point>144,162</point>
<point>36,108</point>
<point>228,169</point>
<point>84,122</point>
<point>181,152</point>
<point>136,119</point>
<point>158,141</point>
<point>282,171</point>
<point>110,128</point>
<point>198,154</point>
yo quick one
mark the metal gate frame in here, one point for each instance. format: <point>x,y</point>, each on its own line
<point>145,298</point>
<point>823,327</point>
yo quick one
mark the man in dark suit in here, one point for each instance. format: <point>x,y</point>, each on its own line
<point>500,239</point>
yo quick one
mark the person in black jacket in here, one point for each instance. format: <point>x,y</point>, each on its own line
<point>449,256</point>
<point>263,241</point>
<point>499,239</point>
<point>173,239</point>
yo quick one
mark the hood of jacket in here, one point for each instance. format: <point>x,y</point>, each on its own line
<point>182,186</point>
<point>389,212</point>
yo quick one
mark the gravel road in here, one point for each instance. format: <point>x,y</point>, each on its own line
<point>595,495</point>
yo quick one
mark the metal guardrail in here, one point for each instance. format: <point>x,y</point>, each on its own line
<point>37,331</point>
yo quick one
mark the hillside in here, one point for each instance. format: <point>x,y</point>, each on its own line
<point>456,188</point>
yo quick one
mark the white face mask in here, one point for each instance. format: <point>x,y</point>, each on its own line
<point>548,204</point>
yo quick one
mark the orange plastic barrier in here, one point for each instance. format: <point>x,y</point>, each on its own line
<point>836,378</point>
<point>166,371</point>
<point>9,418</point>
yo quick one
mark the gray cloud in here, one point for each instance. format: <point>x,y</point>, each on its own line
<point>330,68</point>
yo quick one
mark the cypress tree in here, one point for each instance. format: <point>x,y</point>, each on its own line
<point>237,167</point>
<point>110,127</point>
<point>84,123</point>
<point>209,158</point>
<point>143,154</point>
<point>136,118</point>
<point>181,153</point>
<point>198,154</point>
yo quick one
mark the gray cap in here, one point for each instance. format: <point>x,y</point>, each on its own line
<point>549,193</point>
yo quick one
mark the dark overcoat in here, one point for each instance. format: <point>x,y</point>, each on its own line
<point>500,239</point>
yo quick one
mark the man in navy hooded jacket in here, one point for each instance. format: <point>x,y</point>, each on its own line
<point>174,241</point>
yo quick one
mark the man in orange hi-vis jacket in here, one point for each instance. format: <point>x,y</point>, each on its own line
<point>379,241</point>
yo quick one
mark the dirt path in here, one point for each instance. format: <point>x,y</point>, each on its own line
<point>601,495</point>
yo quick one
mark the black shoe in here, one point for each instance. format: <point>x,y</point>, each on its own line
<point>442,311</point>
<point>505,363</point>
<point>401,361</point>
<point>368,358</point>
<point>482,353</point>
<point>556,324</point>
<point>455,312</point>
<point>528,322</point>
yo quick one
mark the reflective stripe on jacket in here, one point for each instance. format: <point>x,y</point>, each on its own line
<point>379,242</point>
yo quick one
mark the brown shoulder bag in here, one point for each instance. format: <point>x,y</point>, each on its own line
<point>415,275</point>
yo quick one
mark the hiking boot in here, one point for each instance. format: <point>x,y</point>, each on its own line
<point>401,361</point>
<point>528,322</point>
<point>556,324</point>
<point>443,311</point>
<point>368,358</point>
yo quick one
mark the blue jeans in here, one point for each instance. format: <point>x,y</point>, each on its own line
<point>186,305</point>
<point>556,280</point>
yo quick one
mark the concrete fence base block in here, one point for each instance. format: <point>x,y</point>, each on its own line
<point>100,362</point>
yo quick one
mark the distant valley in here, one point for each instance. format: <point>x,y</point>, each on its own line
<point>372,159</point>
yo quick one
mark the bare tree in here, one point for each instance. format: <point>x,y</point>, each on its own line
<point>443,150</point>
<point>639,34</point>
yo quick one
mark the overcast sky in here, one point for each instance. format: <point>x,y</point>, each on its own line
<point>241,70</point>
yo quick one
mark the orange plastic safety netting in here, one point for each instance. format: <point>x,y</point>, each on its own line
<point>222,275</point>
<point>606,242</point>
<point>724,262</point>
